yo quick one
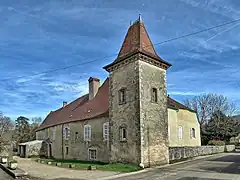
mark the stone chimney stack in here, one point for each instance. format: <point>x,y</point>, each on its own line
<point>64,103</point>
<point>94,84</point>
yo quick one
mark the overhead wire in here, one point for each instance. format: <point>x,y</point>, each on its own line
<point>97,59</point>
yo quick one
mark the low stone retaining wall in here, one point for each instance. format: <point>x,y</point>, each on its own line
<point>181,153</point>
<point>230,148</point>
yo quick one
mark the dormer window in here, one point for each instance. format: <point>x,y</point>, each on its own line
<point>154,95</point>
<point>122,96</point>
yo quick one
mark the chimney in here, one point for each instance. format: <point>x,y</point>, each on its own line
<point>64,103</point>
<point>94,84</point>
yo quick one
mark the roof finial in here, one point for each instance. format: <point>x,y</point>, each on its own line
<point>140,18</point>
<point>130,23</point>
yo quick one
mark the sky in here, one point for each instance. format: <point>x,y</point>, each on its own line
<point>39,36</point>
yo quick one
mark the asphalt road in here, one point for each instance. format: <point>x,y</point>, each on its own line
<point>218,167</point>
<point>4,176</point>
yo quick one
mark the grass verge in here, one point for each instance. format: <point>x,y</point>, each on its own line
<point>118,167</point>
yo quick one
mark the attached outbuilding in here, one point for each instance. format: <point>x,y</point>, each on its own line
<point>30,149</point>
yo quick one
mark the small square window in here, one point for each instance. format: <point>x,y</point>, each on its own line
<point>92,154</point>
<point>154,95</point>
<point>122,96</point>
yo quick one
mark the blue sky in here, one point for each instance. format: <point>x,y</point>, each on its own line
<point>37,36</point>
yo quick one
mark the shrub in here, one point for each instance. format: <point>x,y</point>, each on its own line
<point>216,143</point>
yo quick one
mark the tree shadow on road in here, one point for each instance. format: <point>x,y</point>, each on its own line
<point>219,164</point>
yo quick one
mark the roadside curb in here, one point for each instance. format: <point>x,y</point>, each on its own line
<point>14,173</point>
<point>158,167</point>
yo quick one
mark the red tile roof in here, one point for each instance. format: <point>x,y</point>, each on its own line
<point>83,108</point>
<point>137,41</point>
<point>80,109</point>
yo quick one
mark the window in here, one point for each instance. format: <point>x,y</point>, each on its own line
<point>66,150</point>
<point>192,133</point>
<point>180,132</point>
<point>76,136</point>
<point>123,133</point>
<point>154,95</point>
<point>122,96</point>
<point>66,131</point>
<point>87,133</point>
<point>54,133</point>
<point>106,131</point>
<point>92,154</point>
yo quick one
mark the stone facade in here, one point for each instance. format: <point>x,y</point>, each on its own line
<point>124,115</point>
<point>153,115</point>
<point>75,145</point>
<point>135,103</point>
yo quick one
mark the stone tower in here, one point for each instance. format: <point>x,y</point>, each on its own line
<point>138,101</point>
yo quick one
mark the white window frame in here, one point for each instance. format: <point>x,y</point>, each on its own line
<point>106,131</point>
<point>180,132</point>
<point>89,154</point>
<point>87,132</point>
<point>66,131</point>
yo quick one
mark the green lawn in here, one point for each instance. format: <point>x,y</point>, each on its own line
<point>118,167</point>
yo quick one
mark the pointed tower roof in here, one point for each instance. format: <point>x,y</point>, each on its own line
<point>137,41</point>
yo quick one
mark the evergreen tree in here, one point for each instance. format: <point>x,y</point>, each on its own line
<point>22,130</point>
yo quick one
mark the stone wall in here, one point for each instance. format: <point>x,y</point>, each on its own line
<point>75,147</point>
<point>181,153</point>
<point>124,115</point>
<point>230,148</point>
<point>153,115</point>
<point>33,149</point>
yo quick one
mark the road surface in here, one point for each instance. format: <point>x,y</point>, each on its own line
<point>4,176</point>
<point>218,167</point>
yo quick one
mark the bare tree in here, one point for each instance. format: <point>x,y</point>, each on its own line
<point>36,121</point>
<point>206,104</point>
<point>5,124</point>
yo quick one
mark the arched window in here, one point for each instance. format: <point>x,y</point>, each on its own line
<point>192,133</point>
